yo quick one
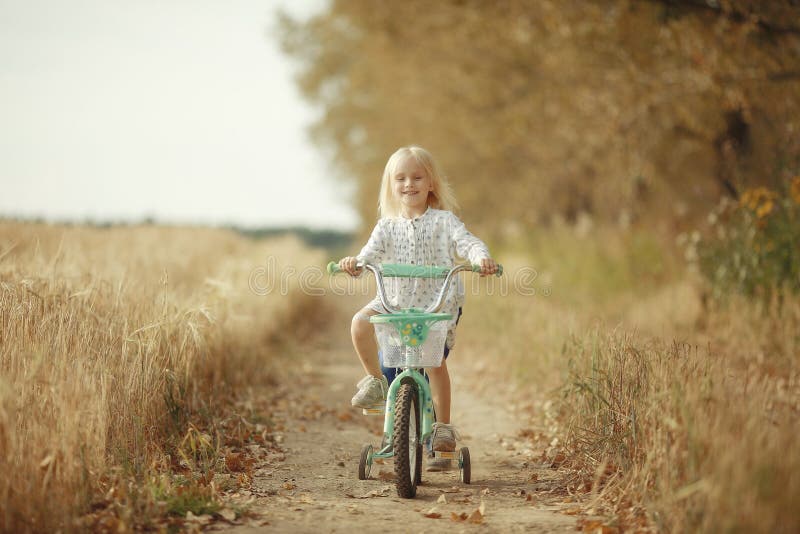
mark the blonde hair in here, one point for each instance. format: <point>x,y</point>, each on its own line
<point>441,197</point>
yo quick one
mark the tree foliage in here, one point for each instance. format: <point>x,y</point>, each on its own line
<point>545,109</point>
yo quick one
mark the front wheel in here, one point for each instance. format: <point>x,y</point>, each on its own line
<point>406,445</point>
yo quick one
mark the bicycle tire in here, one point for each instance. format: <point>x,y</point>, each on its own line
<point>465,466</point>
<point>365,462</point>
<point>405,440</point>
<point>419,461</point>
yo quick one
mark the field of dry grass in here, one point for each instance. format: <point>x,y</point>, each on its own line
<point>668,413</point>
<point>114,343</point>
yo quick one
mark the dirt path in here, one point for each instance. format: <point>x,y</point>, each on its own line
<point>316,488</point>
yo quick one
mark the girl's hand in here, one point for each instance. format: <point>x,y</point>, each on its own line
<point>348,264</point>
<point>488,266</point>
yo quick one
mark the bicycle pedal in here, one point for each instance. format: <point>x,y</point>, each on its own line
<point>450,455</point>
<point>378,409</point>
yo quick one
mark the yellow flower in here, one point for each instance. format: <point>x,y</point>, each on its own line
<point>760,200</point>
<point>794,189</point>
<point>749,199</point>
<point>765,209</point>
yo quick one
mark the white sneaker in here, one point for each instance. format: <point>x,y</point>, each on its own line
<point>444,437</point>
<point>371,392</point>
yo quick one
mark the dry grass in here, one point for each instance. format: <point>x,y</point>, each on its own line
<point>672,416</point>
<point>110,342</point>
<point>692,440</point>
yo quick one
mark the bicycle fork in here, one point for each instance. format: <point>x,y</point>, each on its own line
<point>425,402</point>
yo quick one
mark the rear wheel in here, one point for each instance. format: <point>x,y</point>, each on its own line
<point>464,466</point>
<point>406,445</point>
<point>365,462</point>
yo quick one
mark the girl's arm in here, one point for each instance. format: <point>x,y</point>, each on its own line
<point>374,252</point>
<point>375,249</point>
<point>470,247</point>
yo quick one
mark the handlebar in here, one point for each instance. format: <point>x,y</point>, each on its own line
<point>412,271</point>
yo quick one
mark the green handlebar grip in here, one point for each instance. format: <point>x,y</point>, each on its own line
<point>477,269</point>
<point>333,268</point>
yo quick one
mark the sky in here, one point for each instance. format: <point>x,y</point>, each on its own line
<point>184,111</point>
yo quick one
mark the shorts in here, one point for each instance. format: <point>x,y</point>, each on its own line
<point>391,372</point>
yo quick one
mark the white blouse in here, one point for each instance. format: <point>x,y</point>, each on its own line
<point>436,237</point>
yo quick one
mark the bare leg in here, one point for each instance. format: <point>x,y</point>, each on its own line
<point>440,391</point>
<point>363,334</point>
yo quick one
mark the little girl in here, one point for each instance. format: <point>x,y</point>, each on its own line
<point>416,227</point>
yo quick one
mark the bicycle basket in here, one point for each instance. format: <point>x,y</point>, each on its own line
<point>411,340</point>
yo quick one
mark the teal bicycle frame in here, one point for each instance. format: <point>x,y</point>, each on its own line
<point>426,410</point>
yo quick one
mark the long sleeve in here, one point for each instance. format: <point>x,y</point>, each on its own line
<point>375,249</point>
<point>467,245</point>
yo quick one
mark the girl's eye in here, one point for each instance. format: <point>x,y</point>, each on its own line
<point>418,177</point>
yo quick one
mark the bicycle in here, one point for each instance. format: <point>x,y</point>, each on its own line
<point>411,340</point>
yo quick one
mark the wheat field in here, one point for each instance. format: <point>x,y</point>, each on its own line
<point>669,412</point>
<point>110,340</point>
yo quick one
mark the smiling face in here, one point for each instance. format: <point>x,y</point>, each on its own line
<point>411,185</point>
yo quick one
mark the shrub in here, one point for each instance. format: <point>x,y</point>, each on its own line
<point>753,246</point>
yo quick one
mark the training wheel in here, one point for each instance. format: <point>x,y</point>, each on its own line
<point>464,466</point>
<point>365,462</point>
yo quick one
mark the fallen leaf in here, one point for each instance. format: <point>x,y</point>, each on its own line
<point>380,492</point>
<point>432,514</point>
<point>236,462</point>
<point>589,525</point>
<point>227,514</point>
<point>475,517</point>
<point>596,526</point>
<point>442,499</point>
<point>306,498</point>
<point>458,517</point>
<point>202,519</point>
<point>288,486</point>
